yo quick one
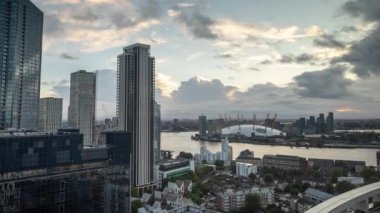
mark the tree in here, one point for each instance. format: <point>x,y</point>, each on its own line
<point>335,173</point>
<point>136,204</point>
<point>268,178</point>
<point>252,177</point>
<point>329,188</point>
<point>185,155</point>
<point>219,164</point>
<point>344,186</point>
<point>251,204</point>
<point>134,192</point>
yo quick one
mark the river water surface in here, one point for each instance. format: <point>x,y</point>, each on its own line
<point>181,141</point>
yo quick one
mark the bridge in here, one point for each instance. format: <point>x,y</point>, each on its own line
<point>360,199</point>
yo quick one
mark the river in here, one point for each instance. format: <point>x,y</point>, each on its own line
<point>181,141</point>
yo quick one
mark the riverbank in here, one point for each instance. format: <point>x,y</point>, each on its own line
<point>339,146</point>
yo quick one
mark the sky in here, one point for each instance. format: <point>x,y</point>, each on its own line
<point>290,57</point>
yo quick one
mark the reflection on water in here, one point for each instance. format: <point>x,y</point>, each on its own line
<point>181,142</point>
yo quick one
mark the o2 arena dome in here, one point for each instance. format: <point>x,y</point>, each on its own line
<point>248,129</point>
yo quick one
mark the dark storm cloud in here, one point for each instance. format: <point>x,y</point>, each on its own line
<point>196,89</point>
<point>364,55</point>
<point>369,10</point>
<point>197,24</point>
<point>68,56</point>
<point>327,83</point>
<point>329,41</point>
<point>300,59</point>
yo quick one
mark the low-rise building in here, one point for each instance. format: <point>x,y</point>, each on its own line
<point>324,165</point>
<point>233,200</point>
<point>285,162</point>
<point>266,195</point>
<point>173,168</point>
<point>317,195</point>
<point>245,169</point>
<point>353,180</point>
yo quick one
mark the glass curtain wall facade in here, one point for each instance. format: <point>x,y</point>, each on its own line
<point>21,25</point>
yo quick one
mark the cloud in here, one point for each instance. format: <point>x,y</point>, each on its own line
<point>366,9</point>
<point>224,55</point>
<point>96,25</point>
<point>300,59</point>
<point>364,54</point>
<point>194,56</point>
<point>165,84</point>
<point>198,24</point>
<point>198,89</point>
<point>327,83</point>
<point>329,41</point>
<point>68,56</point>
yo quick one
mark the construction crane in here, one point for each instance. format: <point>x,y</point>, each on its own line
<point>265,123</point>
<point>254,122</point>
<point>273,123</point>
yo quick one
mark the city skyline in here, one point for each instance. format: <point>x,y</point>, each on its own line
<point>275,58</point>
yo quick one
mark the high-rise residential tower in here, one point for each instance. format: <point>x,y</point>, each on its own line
<point>202,125</point>
<point>50,116</point>
<point>82,104</point>
<point>135,108</point>
<point>21,24</point>
<point>157,132</point>
<point>330,122</point>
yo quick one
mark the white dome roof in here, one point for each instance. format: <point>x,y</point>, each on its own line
<point>248,129</point>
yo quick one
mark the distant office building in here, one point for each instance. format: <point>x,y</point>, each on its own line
<point>202,125</point>
<point>330,123</point>
<point>135,108</point>
<point>21,25</point>
<point>115,123</point>
<point>350,165</point>
<point>321,123</point>
<point>157,132</point>
<point>302,124</point>
<point>285,162</point>
<point>82,104</point>
<point>108,123</point>
<point>312,121</point>
<point>50,116</point>
<point>245,169</point>
<point>175,124</point>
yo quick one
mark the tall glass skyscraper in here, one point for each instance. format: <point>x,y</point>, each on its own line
<point>82,104</point>
<point>50,119</point>
<point>21,24</point>
<point>135,107</point>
